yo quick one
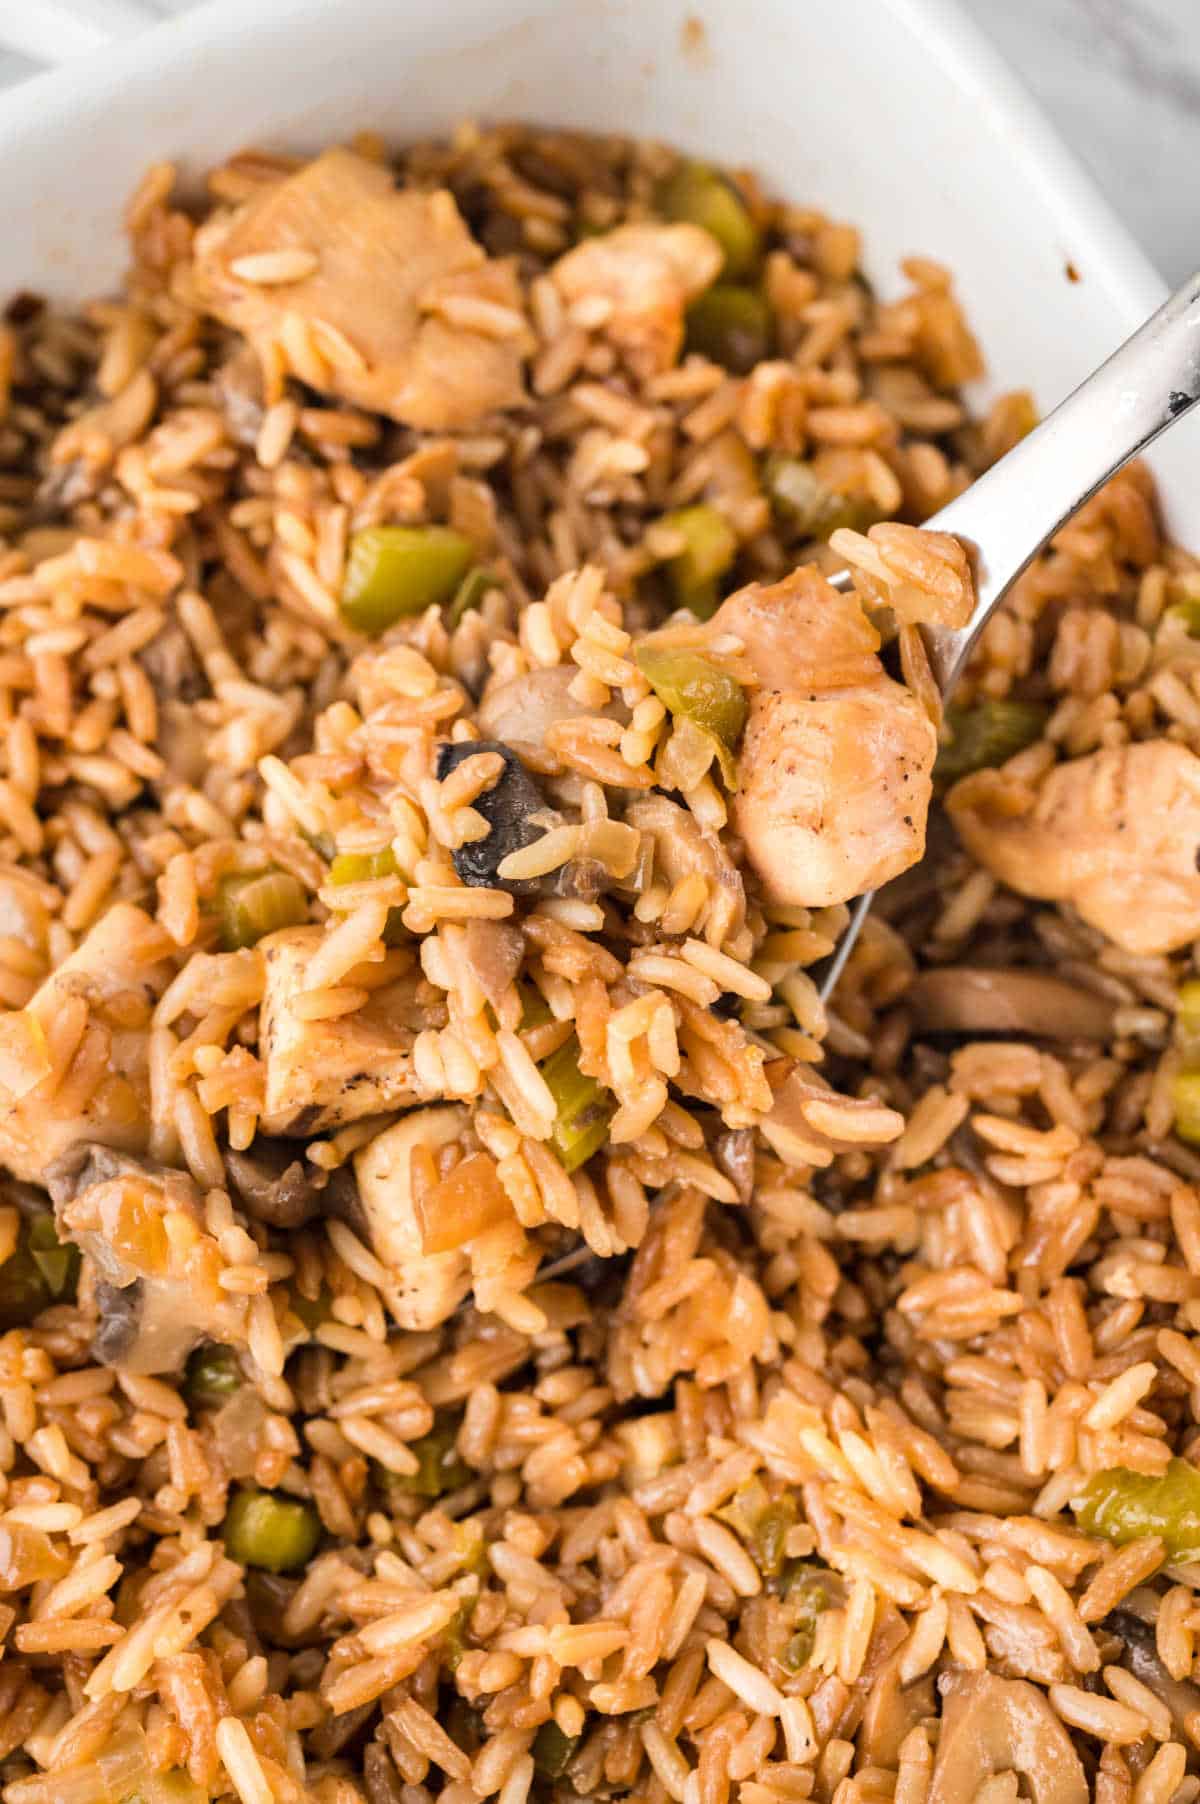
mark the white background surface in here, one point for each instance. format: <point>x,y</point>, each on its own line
<point>1120,78</point>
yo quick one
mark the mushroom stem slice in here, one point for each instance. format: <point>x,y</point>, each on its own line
<point>969,999</point>
<point>992,1725</point>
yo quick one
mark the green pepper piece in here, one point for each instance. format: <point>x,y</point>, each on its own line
<point>1126,1506</point>
<point>365,867</point>
<point>768,1543</point>
<point>57,1260</point>
<point>362,867</point>
<point>1187,612</point>
<point>454,1638</point>
<point>323,844</point>
<point>1187,1026</point>
<point>709,549</point>
<point>584,1108</point>
<point>254,903</point>
<point>809,1591</point>
<point>803,502</point>
<point>730,325</point>
<point>535,1010</point>
<point>213,1375</point>
<point>1188,1015</point>
<point>692,686</point>
<point>553,1751</point>
<point>470,1545</point>
<point>439,1468</point>
<point>393,572</point>
<point>762,1522</point>
<point>471,590</point>
<point>745,1507</point>
<point>1185,1099</point>
<point>464,1725</point>
<point>275,1533</point>
<point>312,1311</point>
<point>697,195</point>
<point>24,1291</point>
<point>986,734</point>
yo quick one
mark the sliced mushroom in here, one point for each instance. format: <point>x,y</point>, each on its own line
<point>494,952</point>
<point>89,1164</point>
<point>1181,1696</point>
<point>892,1709</point>
<point>144,1326</point>
<point>992,1725</point>
<point>975,1000</point>
<point>809,1123</point>
<point>273,1184</point>
<point>427,1286</point>
<point>175,672</point>
<point>734,1155</point>
<point>682,849</point>
<point>519,710</point>
<point>153,1310</point>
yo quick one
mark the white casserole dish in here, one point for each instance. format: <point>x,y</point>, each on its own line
<point>891,113</point>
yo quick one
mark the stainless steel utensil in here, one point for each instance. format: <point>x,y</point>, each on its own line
<point>1017,506</point>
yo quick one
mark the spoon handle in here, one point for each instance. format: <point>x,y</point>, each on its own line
<point>1015,507</point>
<point>1018,505</point>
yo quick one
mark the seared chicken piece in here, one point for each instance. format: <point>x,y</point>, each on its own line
<point>834,790</point>
<point>648,274</point>
<point>393,272</point>
<point>1116,834</point>
<point>322,1074</point>
<point>119,970</point>
<point>427,1286</point>
<point>835,766</point>
<point>801,633</point>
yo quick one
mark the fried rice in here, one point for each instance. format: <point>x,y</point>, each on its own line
<point>475,1323</point>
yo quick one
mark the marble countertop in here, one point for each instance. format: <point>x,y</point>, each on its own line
<point>1120,79</point>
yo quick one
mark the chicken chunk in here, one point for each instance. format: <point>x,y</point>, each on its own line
<point>648,274</point>
<point>801,633</point>
<point>119,970</point>
<point>835,765</point>
<point>834,790</point>
<point>1116,834</point>
<point>399,310</point>
<point>323,1074</point>
<point>427,1286</point>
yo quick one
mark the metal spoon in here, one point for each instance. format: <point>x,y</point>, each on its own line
<point>1017,506</point>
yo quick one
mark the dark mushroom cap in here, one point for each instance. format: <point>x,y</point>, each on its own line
<point>509,808</point>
